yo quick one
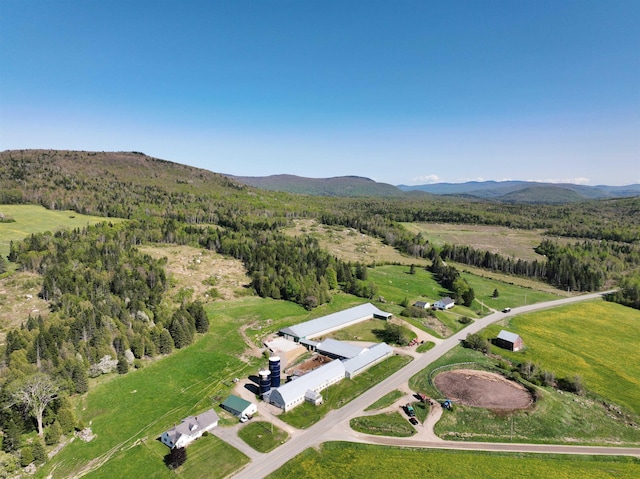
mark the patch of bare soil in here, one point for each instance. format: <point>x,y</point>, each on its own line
<point>482,389</point>
<point>309,365</point>
<point>200,271</point>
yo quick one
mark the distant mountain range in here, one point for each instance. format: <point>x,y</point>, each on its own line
<point>506,191</point>
<point>349,186</point>
<point>527,191</point>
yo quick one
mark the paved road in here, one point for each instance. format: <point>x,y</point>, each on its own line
<point>335,425</point>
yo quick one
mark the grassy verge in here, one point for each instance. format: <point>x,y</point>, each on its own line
<point>391,424</point>
<point>339,394</point>
<point>386,400</point>
<point>424,347</point>
<point>341,460</point>
<point>262,436</point>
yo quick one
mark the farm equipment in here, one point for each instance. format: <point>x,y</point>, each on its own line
<point>410,411</point>
<point>447,404</point>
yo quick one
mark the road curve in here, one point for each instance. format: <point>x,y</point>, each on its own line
<point>335,425</point>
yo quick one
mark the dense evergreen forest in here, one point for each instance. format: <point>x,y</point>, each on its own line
<point>107,298</point>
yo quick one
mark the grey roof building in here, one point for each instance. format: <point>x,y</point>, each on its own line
<point>190,429</point>
<point>333,322</point>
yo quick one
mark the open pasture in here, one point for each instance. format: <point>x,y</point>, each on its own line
<point>340,460</point>
<point>37,219</point>
<point>496,239</point>
<point>596,340</point>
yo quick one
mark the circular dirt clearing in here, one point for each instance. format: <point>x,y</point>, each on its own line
<point>482,389</point>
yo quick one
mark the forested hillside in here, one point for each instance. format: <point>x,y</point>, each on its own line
<point>108,300</point>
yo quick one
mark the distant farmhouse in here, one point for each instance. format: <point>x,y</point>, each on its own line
<point>510,341</point>
<point>190,429</point>
<point>444,303</point>
<point>333,322</point>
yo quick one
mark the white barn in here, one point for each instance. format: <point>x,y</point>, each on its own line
<point>333,322</point>
<point>190,429</point>
<point>293,393</point>
<point>369,357</point>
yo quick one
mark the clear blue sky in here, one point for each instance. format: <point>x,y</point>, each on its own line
<point>399,91</point>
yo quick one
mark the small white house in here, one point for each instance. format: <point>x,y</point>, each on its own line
<point>444,303</point>
<point>422,304</point>
<point>190,429</point>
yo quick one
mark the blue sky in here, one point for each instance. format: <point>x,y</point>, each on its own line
<point>403,92</point>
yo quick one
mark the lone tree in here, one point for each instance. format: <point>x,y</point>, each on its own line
<point>35,393</point>
<point>176,457</point>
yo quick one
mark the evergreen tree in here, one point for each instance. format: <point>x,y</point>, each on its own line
<point>39,451</point>
<point>123,365</point>
<point>80,379</point>
<point>53,433</point>
<point>26,456</point>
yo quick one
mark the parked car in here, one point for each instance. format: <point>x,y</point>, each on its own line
<point>506,310</point>
<point>413,421</point>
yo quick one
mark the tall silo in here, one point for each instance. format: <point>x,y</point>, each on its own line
<point>265,381</point>
<point>274,367</point>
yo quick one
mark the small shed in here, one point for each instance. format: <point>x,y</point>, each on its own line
<point>313,397</point>
<point>422,304</point>
<point>238,406</point>
<point>510,341</point>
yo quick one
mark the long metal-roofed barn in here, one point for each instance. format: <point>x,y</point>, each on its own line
<point>293,393</point>
<point>333,322</point>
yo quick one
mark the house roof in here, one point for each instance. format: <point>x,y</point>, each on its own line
<point>371,355</point>
<point>420,304</point>
<point>342,349</point>
<point>313,380</point>
<point>193,425</point>
<point>331,321</point>
<point>235,403</point>
<point>446,300</point>
<point>508,336</point>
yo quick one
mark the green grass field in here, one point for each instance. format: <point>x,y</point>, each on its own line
<point>262,436</point>
<point>596,340</point>
<point>579,339</point>
<point>386,400</point>
<point>37,219</point>
<point>340,460</point>
<point>391,424</point>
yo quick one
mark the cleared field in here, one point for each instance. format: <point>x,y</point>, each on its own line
<point>597,341</point>
<point>351,245</point>
<point>496,239</point>
<point>341,460</point>
<point>37,219</point>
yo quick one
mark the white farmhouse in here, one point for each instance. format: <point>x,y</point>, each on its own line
<point>190,429</point>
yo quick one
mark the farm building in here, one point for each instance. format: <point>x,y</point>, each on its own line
<point>422,304</point>
<point>333,322</point>
<point>293,393</point>
<point>288,351</point>
<point>444,303</point>
<point>338,349</point>
<point>510,341</point>
<point>238,406</point>
<point>190,429</point>
<point>369,357</point>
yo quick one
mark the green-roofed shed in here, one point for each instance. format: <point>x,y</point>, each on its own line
<point>238,406</point>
